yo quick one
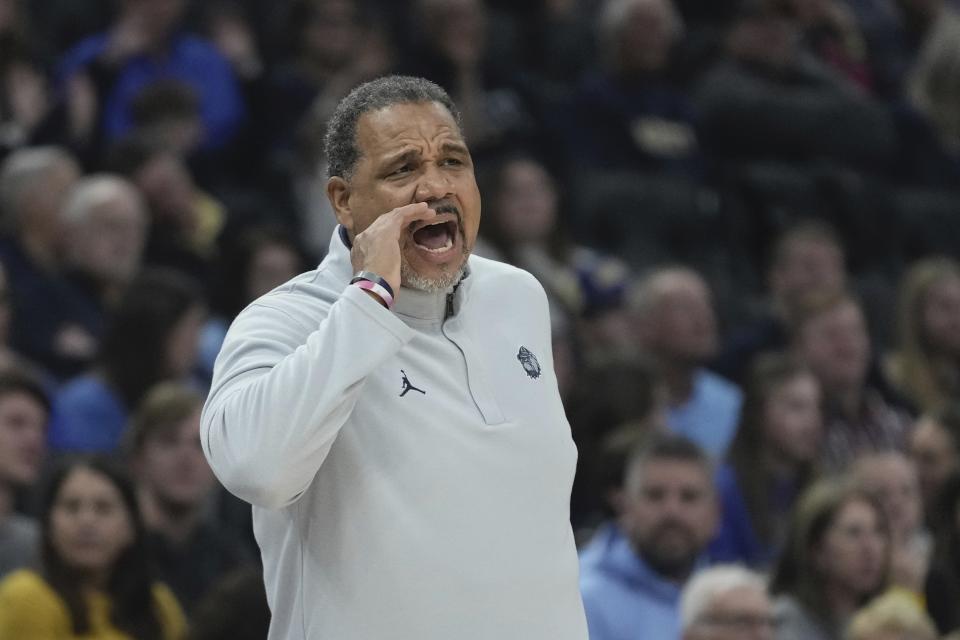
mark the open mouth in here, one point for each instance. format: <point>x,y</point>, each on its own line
<point>436,237</point>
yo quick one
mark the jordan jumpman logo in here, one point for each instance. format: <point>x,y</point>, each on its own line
<point>407,387</point>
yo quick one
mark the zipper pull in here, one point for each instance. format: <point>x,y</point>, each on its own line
<point>449,311</point>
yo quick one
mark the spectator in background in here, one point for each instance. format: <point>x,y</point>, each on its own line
<point>726,602</point>
<point>524,226</point>
<point>51,325</point>
<point>929,154</point>
<point>772,460</point>
<point>234,609</point>
<point>830,31</point>
<point>615,404</point>
<point>830,336</point>
<point>450,45</point>
<point>892,616</point>
<point>24,93</point>
<point>175,486</point>
<point>942,589</point>
<point>95,579</point>
<point>152,337</point>
<point>25,97</point>
<point>891,478</point>
<point>676,325</point>
<point>260,259</point>
<point>103,74</point>
<point>24,410</point>
<point>836,559</point>
<point>185,221</point>
<point>771,99</point>
<point>632,572</point>
<point>9,358</point>
<point>935,449</point>
<point>630,113</point>
<point>807,259</point>
<point>926,365</point>
<point>324,64</point>
<point>105,222</point>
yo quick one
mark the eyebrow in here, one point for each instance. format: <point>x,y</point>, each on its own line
<point>454,147</point>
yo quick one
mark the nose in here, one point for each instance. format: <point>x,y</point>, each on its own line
<point>433,185</point>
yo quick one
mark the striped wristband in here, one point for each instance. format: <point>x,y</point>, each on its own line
<point>376,288</point>
<point>373,277</point>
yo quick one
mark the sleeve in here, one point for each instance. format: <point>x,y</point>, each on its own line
<point>28,609</point>
<point>276,406</point>
<point>172,619</point>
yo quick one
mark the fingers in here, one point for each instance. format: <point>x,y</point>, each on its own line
<point>413,212</point>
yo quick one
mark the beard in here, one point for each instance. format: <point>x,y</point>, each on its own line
<point>414,280</point>
<point>671,550</point>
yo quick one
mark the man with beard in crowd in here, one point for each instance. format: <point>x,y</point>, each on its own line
<point>394,415</point>
<point>633,571</point>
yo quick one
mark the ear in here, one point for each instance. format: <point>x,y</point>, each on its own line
<point>338,192</point>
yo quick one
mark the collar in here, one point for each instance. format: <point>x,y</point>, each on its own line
<point>410,303</point>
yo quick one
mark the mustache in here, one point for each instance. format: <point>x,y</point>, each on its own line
<point>443,206</point>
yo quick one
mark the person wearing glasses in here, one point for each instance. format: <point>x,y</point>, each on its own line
<point>726,602</point>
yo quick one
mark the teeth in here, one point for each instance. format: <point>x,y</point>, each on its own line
<point>438,249</point>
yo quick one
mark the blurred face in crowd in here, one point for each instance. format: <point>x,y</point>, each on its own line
<point>271,265</point>
<point>456,28</point>
<point>807,266</point>
<point>108,244</point>
<point>169,190</point>
<point>41,202</point>
<point>852,556</point>
<point>647,36</point>
<point>411,153</point>
<point>893,480</point>
<point>157,17</point>
<point>679,323</point>
<point>23,437</point>
<point>835,345</point>
<point>182,342</point>
<point>669,512</point>
<point>172,467</point>
<point>934,455</point>
<point>526,203</point>
<point>793,422</point>
<point>742,613</point>
<point>89,523</point>
<point>941,316</point>
<point>331,33</point>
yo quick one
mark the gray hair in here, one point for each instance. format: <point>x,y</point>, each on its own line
<point>708,584</point>
<point>27,169</point>
<point>643,297</point>
<point>95,191</point>
<point>340,144</point>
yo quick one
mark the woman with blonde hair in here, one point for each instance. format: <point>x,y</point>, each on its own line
<point>926,366</point>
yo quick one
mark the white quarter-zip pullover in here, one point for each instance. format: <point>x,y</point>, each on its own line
<point>410,470</point>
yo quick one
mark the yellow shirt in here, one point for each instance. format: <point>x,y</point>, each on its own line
<point>31,610</point>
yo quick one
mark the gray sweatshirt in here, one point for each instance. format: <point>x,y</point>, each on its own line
<point>410,470</point>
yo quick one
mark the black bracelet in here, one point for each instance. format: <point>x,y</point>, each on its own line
<point>372,277</point>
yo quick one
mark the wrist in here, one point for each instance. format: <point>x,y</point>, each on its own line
<point>374,285</point>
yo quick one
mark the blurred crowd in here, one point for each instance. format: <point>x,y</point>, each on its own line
<point>745,213</point>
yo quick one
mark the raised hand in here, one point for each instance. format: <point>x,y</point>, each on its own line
<point>378,247</point>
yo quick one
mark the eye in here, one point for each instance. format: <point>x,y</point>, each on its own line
<point>401,170</point>
<point>452,162</point>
